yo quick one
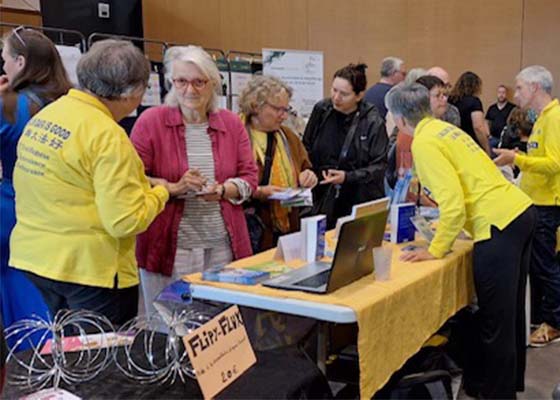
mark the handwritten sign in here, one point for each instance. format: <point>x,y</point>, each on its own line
<point>220,351</point>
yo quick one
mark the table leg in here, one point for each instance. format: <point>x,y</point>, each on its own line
<point>322,342</point>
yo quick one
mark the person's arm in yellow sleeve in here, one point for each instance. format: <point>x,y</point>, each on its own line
<point>437,174</point>
<point>126,203</point>
<point>550,163</point>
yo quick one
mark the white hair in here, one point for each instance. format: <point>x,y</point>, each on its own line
<point>390,65</point>
<point>197,56</point>
<point>539,75</point>
<point>414,74</point>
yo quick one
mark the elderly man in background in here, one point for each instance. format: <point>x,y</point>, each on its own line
<point>451,114</point>
<point>392,72</point>
<point>541,181</point>
<point>81,193</point>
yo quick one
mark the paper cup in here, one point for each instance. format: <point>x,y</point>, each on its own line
<point>382,257</point>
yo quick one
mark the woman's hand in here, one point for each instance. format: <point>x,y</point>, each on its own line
<point>416,255</point>
<point>4,83</point>
<point>192,180</point>
<point>505,157</point>
<point>307,179</point>
<point>215,192</point>
<point>264,192</point>
<point>334,177</point>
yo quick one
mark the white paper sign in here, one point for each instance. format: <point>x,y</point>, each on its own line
<point>70,56</point>
<point>289,247</point>
<point>51,394</point>
<point>302,70</point>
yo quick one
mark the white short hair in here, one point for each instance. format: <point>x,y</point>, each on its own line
<point>197,56</point>
<point>539,75</point>
<point>390,65</point>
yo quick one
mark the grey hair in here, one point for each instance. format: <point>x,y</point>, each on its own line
<point>258,91</point>
<point>412,102</point>
<point>539,75</point>
<point>200,58</point>
<point>112,69</point>
<point>390,65</point>
<point>414,74</point>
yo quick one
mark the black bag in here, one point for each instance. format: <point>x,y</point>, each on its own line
<point>325,205</point>
<point>255,225</point>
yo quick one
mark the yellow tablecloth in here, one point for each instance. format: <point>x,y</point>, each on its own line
<point>394,317</point>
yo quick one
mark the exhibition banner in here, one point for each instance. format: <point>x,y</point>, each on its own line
<point>300,69</point>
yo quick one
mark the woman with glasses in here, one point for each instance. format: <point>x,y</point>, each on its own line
<point>34,76</point>
<point>281,158</point>
<point>347,143</point>
<point>203,155</point>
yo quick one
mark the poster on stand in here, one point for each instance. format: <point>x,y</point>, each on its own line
<point>300,69</point>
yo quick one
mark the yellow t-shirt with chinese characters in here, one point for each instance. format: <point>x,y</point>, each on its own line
<point>470,190</point>
<point>541,165</point>
<point>81,196</point>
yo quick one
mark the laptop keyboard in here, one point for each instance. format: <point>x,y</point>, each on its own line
<point>315,280</point>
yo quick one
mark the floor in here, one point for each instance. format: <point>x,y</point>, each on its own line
<point>541,376</point>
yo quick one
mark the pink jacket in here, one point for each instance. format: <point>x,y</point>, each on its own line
<point>159,138</point>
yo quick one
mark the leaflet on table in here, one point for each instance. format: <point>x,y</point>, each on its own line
<point>313,237</point>
<point>235,275</point>
<point>401,188</point>
<point>423,227</point>
<point>402,229</point>
<point>272,267</point>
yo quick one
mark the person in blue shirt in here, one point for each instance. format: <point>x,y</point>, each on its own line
<point>34,76</point>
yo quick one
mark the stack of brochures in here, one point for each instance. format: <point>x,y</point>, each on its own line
<point>294,197</point>
<point>235,275</point>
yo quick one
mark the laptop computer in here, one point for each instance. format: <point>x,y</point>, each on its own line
<point>352,259</point>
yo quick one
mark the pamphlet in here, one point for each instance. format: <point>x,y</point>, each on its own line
<point>402,229</point>
<point>235,275</point>
<point>313,237</point>
<point>272,267</point>
<point>423,227</point>
<point>51,394</point>
<point>289,247</point>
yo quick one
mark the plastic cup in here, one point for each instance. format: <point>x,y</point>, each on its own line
<point>382,257</point>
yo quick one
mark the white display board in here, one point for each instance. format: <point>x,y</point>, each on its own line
<point>302,70</point>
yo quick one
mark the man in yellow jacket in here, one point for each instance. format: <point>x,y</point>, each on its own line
<point>473,194</point>
<point>81,193</point>
<point>540,179</point>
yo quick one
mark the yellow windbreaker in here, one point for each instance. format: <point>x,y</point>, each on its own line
<point>470,190</point>
<point>541,165</point>
<point>81,196</point>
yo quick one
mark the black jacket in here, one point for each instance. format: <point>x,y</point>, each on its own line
<point>367,158</point>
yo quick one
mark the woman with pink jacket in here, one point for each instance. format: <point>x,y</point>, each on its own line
<point>203,155</point>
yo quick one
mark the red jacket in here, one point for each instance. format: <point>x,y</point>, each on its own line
<point>159,138</point>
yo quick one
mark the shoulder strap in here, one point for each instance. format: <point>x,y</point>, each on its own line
<point>348,140</point>
<point>268,158</point>
<point>34,98</point>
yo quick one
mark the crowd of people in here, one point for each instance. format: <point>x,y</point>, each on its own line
<point>90,215</point>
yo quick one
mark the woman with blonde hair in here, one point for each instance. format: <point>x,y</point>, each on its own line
<point>281,158</point>
<point>202,154</point>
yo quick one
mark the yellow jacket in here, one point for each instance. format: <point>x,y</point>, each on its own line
<point>541,165</point>
<point>81,196</point>
<point>470,191</point>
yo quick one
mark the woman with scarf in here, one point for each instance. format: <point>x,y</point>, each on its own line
<point>281,158</point>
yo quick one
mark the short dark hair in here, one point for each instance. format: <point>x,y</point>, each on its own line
<point>430,82</point>
<point>355,74</point>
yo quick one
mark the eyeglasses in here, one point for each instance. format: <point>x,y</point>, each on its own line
<point>18,36</point>
<point>181,83</point>
<point>279,110</point>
